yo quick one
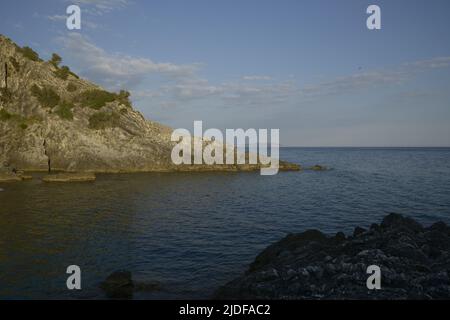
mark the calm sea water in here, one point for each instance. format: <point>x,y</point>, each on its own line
<point>193,232</point>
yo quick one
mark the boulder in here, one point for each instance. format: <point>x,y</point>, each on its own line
<point>414,263</point>
<point>118,285</point>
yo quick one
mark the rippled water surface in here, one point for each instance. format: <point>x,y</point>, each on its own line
<point>195,231</point>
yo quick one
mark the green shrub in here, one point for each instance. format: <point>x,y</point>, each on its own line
<point>64,110</point>
<point>15,64</point>
<point>29,53</point>
<point>73,74</point>
<point>102,120</point>
<point>96,99</point>
<point>71,87</point>
<point>23,126</point>
<point>63,72</point>
<point>5,115</point>
<point>55,60</point>
<point>46,96</point>
<point>124,98</point>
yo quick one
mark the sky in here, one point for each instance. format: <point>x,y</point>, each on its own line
<point>309,68</point>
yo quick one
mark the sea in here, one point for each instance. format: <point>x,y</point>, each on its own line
<point>193,232</point>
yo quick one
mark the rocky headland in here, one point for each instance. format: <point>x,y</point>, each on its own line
<point>50,118</point>
<point>414,263</point>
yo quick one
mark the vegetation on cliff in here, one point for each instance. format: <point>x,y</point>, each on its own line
<point>49,114</point>
<point>29,53</point>
<point>46,96</point>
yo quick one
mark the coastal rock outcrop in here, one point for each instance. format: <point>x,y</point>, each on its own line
<point>120,285</point>
<point>70,177</point>
<point>52,119</point>
<point>11,176</point>
<point>414,263</point>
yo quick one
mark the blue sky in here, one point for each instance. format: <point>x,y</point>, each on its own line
<point>310,68</point>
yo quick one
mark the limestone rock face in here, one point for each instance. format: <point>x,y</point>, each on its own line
<point>47,113</point>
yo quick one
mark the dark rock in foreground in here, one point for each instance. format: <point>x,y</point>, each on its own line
<point>414,263</point>
<point>118,285</point>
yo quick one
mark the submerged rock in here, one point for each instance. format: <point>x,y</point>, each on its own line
<point>69,177</point>
<point>414,263</point>
<point>317,168</point>
<point>9,177</point>
<point>118,285</point>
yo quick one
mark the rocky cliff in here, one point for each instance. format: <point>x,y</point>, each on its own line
<point>51,117</point>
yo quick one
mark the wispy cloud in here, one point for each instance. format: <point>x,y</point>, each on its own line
<point>100,7</point>
<point>182,83</point>
<point>90,9</point>
<point>371,79</point>
<point>59,18</point>
<point>354,82</point>
<point>117,70</point>
<point>250,91</point>
<point>438,62</point>
<point>231,93</point>
<point>256,78</point>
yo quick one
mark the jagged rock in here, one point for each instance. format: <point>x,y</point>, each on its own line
<point>289,243</point>
<point>358,231</point>
<point>414,262</point>
<point>340,236</point>
<point>394,220</point>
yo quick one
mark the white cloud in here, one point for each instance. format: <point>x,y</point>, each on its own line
<point>354,82</point>
<point>100,7</point>
<point>230,93</point>
<point>370,79</point>
<point>183,84</point>
<point>59,18</point>
<point>438,62</point>
<point>256,78</point>
<point>116,70</point>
